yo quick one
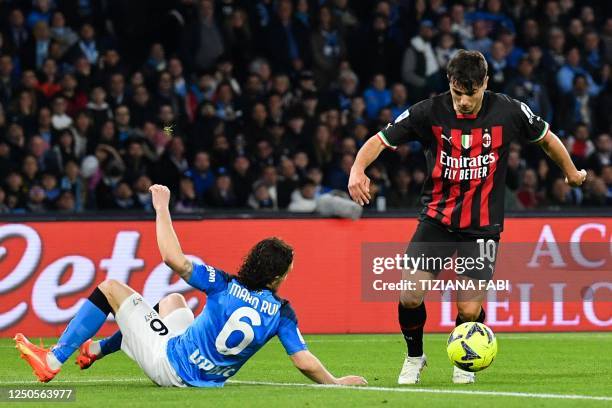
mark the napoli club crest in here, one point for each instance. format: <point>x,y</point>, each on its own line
<point>486,140</point>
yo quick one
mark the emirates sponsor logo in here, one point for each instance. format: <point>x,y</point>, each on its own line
<point>466,162</point>
<point>466,168</point>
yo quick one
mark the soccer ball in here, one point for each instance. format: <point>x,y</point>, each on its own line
<point>472,346</point>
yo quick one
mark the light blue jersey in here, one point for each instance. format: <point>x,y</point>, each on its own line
<point>234,324</point>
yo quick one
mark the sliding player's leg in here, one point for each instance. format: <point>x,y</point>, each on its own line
<point>105,299</point>
<point>173,310</point>
<point>145,336</point>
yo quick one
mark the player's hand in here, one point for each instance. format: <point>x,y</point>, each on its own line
<point>359,187</point>
<point>351,380</point>
<point>161,196</point>
<point>576,179</point>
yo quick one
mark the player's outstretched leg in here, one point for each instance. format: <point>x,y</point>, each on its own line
<point>467,312</point>
<point>88,320</point>
<point>92,351</point>
<point>412,316</point>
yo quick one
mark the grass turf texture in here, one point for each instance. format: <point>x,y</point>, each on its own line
<point>563,364</point>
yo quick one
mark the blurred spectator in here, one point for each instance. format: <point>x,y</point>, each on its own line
<point>499,69</point>
<point>529,194</point>
<point>221,194</point>
<point>142,196</point>
<point>124,197</point>
<point>62,34</point>
<point>303,199</point>
<point>373,51</point>
<point>287,41</point>
<point>579,145</point>
<point>65,202</point>
<point>328,49</point>
<point>201,174</point>
<point>563,195</point>
<point>260,198</point>
<point>526,88</point>
<point>572,68</point>
<point>86,46</point>
<point>420,68</point>
<point>602,156</point>
<point>36,49</point>
<point>402,196</point>
<point>481,40</point>
<point>187,201</point>
<point>377,96</point>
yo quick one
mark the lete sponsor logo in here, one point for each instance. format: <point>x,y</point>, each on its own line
<point>49,284</point>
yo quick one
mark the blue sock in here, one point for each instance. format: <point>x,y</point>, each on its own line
<point>111,344</point>
<point>84,325</point>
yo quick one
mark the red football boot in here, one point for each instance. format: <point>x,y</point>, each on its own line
<point>36,357</point>
<point>85,359</point>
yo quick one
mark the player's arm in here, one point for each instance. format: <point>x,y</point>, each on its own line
<point>404,128</point>
<point>167,241</point>
<point>555,149</point>
<point>359,183</point>
<point>312,368</point>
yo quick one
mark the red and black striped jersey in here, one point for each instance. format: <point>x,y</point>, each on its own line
<point>467,156</point>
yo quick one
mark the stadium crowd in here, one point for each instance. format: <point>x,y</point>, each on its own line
<point>263,104</point>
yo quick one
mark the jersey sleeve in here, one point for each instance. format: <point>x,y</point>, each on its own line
<point>288,331</point>
<point>532,128</point>
<point>407,126</point>
<point>208,278</point>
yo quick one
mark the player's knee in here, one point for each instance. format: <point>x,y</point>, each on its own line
<point>410,301</point>
<point>108,287</point>
<point>173,300</point>
<point>468,312</point>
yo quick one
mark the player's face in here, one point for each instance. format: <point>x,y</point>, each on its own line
<point>467,102</point>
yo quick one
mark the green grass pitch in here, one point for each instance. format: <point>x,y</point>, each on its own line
<point>531,370</point>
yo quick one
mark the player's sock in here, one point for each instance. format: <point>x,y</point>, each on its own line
<point>480,319</point>
<point>84,325</point>
<point>110,344</point>
<point>411,322</point>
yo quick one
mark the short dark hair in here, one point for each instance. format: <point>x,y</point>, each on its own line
<point>268,260</point>
<point>468,69</point>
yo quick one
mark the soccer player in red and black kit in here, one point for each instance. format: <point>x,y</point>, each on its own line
<point>466,134</point>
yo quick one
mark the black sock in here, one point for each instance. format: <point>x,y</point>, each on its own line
<point>479,319</point>
<point>100,301</point>
<point>411,322</point>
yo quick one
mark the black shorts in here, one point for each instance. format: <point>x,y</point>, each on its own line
<point>435,245</point>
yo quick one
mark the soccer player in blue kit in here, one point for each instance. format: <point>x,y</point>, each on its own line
<point>241,314</point>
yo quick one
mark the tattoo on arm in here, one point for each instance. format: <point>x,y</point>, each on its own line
<point>186,270</point>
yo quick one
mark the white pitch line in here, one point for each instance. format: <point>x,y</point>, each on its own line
<point>429,391</point>
<point>83,381</point>
<point>341,387</point>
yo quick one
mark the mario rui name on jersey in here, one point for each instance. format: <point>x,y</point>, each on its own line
<point>466,168</point>
<point>261,305</point>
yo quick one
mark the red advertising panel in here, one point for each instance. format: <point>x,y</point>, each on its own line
<point>47,267</point>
